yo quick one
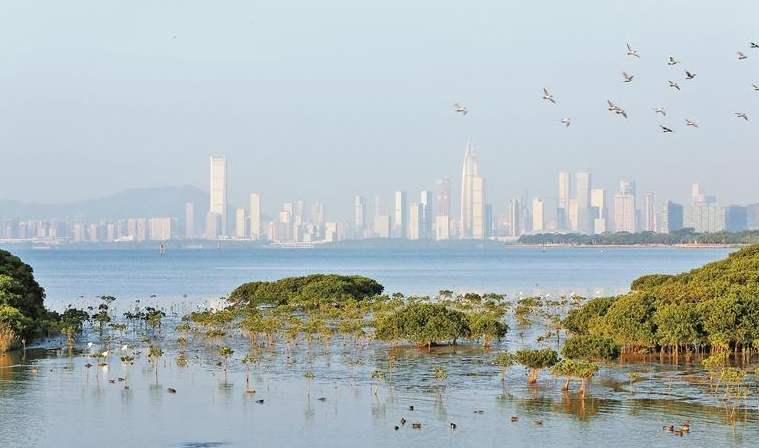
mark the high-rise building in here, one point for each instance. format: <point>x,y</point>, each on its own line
<point>736,218</point>
<point>698,196</point>
<point>142,229</point>
<point>562,205</point>
<point>400,215</point>
<point>255,217</point>
<point>753,216</point>
<point>379,206</point>
<point>382,226</point>
<point>213,225</point>
<point>704,217</point>
<point>219,191</point>
<point>648,220</point>
<point>160,229</point>
<point>469,173</point>
<point>415,221</point>
<point>515,218</point>
<point>670,217</point>
<point>425,205</point>
<point>241,230</point>
<point>318,212</point>
<point>572,214</point>
<point>443,211</point>
<point>584,217</point>
<point>189,220</point>
<point>538,220</point>
<point>599,210</point>
<point>359,219</point>
<point>627,187</point>
<point>479,214</point>
<point>624,212</point>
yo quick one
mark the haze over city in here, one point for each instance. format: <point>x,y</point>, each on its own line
<point>326,101</point>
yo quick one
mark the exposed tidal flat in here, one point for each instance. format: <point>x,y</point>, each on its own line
<point>317,391</point>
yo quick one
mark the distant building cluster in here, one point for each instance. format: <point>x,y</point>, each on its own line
<point>577,208</point>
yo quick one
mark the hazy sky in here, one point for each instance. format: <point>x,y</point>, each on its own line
<point>324,100</point>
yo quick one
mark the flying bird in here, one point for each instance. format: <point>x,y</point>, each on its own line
<point>672,61</point>
<point>616,109</point>
<point>665,129</point>
<point>461,109</point>
<point>548,96</point>
<point>741,115</point>
<point>631,52</point>
<point>660,110</point>
<point>756,87</point>
<point>754,45</point>
<point>628,78</point>
<point>741,55</point>
<point>674,84</point>
<point>690,123</point>
<point>689,75</point>
<point>566,122</point>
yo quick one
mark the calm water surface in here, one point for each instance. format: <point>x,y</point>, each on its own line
<point>204,274</point>
<point>50,399</point>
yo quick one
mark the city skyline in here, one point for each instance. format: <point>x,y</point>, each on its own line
<point>578,208</point>
<point>158,103</point>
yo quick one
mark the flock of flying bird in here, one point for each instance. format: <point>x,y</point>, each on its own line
<point>627,78</point>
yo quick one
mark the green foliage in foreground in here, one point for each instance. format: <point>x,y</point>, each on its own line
<point>715,306</point>
<point>307,290</point>
<point>22,312</point>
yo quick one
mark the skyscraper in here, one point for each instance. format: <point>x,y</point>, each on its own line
<point>599,210</point>
<point>415,221</point>
<point>704,217</point>
<point>255,216</point>
<point>359,219</point>
<point>480,222</point>
<point>189,220</point>
<point>624,213</point>
<point>670,217</point>
<point>515,218</point>
<point>562,205</point>
<point>318,212</point>
<point>218,190</point>
<point>160,229</point>
<point>538,221</point>
<point>400,215</point>
<point>470,174</point>
<point>584,217</point>
<point>443,212</point>
<point>648,219</point>
<point>425,205</point>
<point>240,226</point>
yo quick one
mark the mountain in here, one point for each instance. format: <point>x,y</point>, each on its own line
<point>134,203</point>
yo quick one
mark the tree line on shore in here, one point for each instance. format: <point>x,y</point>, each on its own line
<point>682,236</point>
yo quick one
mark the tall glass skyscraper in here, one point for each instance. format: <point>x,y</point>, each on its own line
<point>219,187</point>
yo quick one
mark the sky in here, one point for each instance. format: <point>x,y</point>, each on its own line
<point>336,98</point>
